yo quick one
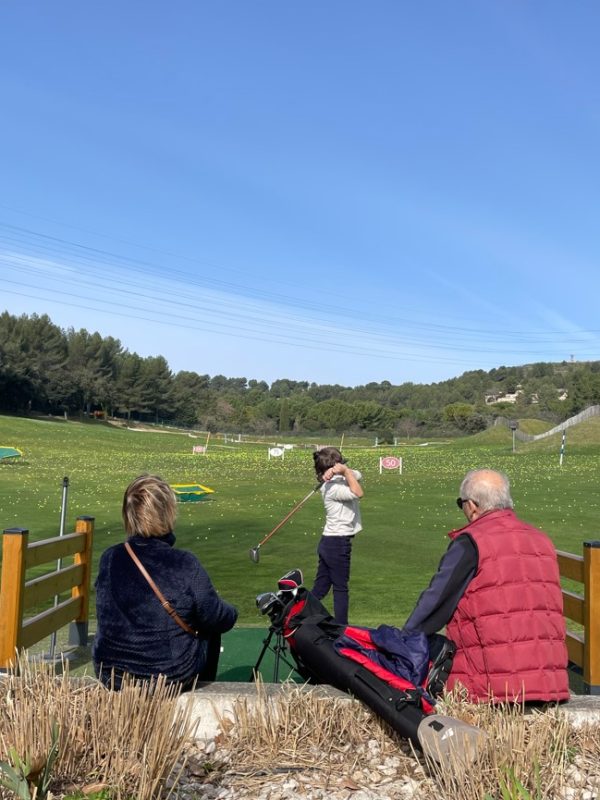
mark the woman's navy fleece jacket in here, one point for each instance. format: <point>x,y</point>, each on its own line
<point>135,633</point>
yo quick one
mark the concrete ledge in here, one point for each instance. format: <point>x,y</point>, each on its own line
<point>582,709</point>
<point>211,700</point>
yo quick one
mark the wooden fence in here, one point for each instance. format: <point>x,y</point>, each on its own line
<point>17,594</point>
<point>584,609</point>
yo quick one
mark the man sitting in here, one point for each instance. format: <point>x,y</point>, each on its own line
<point>497,591</point>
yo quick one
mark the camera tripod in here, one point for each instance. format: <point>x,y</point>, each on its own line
<point>278,649</point>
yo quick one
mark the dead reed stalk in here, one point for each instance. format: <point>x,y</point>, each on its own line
<point>129,741</point>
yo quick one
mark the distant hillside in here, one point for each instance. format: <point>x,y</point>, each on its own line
<point>584,434</point>
<point>46,369</point>
<point>587,414</point>
<point>534,426</point>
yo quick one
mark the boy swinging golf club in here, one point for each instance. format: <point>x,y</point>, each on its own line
<point>341,491</point>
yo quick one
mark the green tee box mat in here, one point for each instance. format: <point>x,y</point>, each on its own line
<point>191,492</point>
<point>9,452</point>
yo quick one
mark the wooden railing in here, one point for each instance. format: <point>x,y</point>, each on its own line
<point>18,594</point>
<point>584,609</point>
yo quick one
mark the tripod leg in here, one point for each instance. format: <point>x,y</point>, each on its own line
<point>277,658</point>
<point>279,650</point>
<point>265,647</point>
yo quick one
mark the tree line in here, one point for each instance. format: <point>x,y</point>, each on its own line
<point>49,370</point>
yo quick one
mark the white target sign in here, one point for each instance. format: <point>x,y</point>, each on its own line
<point>390,462</point>
<point>276,452</point>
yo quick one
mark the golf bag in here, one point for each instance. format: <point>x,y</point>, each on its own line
<point>397,675</point>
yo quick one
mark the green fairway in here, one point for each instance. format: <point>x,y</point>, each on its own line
<point>405,517</point>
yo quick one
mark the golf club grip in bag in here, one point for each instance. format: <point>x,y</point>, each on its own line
<point>317,656</point>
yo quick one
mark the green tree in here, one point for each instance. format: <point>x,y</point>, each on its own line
<point>458,414</point>
<point>90,369</point>
<point>129,397</point>
<point>33,355</point>
<point>301,412</point>
<point>334,415</point>
<point>155,385</point>
<point>190,396</point>
<point>370,415</point>
<point>284,415</point>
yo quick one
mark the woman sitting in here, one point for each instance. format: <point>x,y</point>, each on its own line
<point>138,633</point>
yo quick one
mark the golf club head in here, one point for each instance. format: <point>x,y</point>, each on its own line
<point>266,601</point>
<point>291,580</point>
<point>254,554</point>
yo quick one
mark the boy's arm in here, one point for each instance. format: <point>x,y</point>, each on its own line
<point>348,473</point>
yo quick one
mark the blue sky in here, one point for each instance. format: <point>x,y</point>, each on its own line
<point>340,192</point>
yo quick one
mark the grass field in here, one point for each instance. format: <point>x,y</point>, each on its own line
<point>405,517</point>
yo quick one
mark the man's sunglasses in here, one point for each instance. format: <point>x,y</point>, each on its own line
<point>461,501</point>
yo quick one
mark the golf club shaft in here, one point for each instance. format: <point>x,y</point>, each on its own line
<point>291,513</point>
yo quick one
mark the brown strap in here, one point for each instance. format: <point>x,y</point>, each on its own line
<point>163,600</point>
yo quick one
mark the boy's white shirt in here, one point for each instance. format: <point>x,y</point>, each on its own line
<point>342,509</point>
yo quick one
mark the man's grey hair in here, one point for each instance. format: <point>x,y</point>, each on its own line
<point>487,488</point>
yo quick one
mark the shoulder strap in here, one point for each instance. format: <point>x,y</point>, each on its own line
<point>163,600</point>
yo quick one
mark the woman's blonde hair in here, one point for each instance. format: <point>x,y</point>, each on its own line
<point>149,507</point>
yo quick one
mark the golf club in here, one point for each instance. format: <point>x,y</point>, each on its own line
<point>254,551</point>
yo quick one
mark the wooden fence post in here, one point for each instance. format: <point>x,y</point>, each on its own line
<point>14,550</point>
<point>78,630</point>
<point>591,573</point>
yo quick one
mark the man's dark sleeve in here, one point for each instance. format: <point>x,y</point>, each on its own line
<point>438,602</point>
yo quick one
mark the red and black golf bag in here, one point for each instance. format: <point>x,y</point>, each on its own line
<point>397,675</point>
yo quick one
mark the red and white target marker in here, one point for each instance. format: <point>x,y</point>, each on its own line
<point>390,462</point>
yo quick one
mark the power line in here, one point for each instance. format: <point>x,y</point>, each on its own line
<point>141,266</point>
<point>205,328</point>
<point>300,329</point>
<point>69,269</point>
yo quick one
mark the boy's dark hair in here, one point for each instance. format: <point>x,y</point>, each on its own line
<point>325,458</point>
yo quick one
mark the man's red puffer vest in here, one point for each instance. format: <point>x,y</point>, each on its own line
<point>509,626</point>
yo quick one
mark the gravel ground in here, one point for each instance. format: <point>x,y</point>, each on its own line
<point>382,775</point>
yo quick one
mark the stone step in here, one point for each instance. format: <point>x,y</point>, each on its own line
<point>213,700</point>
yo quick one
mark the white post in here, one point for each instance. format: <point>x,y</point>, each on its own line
<point>380,466</point>
<point>61,532</point>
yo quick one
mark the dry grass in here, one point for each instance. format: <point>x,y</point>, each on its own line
<point>328,743</point>
<point>533,748</point>
<point>127,741</point>
<point>321,743</point>
<point>132,743</point>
